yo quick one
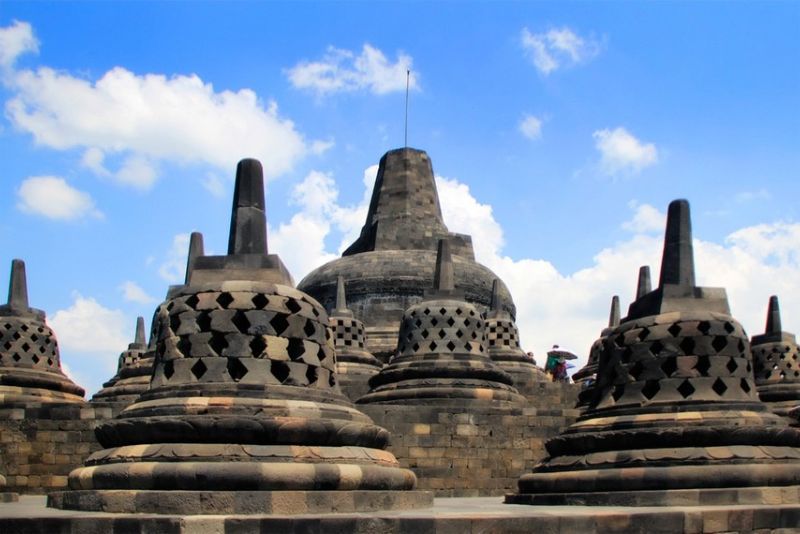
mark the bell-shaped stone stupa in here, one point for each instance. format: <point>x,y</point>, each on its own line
<point>586,377</point>
<point>354,365</point>
<point>133,374</point>
<point>502,346</point>
<point>677,418</point>
<point>441,355</point>
<point>391,264</point>
<point>243,414</point>
<point>30,365</point>
<point>777,369</point>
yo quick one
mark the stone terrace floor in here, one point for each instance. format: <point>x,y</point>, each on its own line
<point>448,515</point>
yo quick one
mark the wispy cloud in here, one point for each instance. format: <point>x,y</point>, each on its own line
<point>621,152</point>
<point>52,197</point>
<point>133,292</point>
<point>557,48</point>
<point>531,127</point>
<point>16,40</point>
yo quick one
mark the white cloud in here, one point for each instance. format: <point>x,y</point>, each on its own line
<point>173,267</point>
<point>557,48</point>
<point>16,40</point>
<point>645,219</point>
<point>54,198</point>
<point>344,71</point>
<point>140,120</point>
<point>132,292</point>
<point>621,152</point>
<point>749,196</point>
<point>215,185</point>
<point>531,127</point>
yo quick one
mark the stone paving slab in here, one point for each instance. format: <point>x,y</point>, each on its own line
<point>448,515</point>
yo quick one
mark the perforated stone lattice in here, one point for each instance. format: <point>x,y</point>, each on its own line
<point>347,332</point>
<point>27,344</point>
<point>244,336</point>
<point>775,363</point>
<point>441,329</point>
<point>501,333</point>
<point>704,360</point>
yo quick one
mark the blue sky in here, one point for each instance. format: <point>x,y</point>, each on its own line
<point>559,132</point>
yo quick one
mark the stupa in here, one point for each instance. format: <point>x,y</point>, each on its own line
<point>243,414</point>
<point>502,346</point>
<point>133,374</point>
<point>677,418</point>
<point>441,356</point>
<point>391,264</point>
<point>586,377</point>
<point>354,365</point>
<point>30,365</point>
<point>777,369</point>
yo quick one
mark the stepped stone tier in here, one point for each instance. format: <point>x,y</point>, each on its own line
<point>354,365</point>
<point>243,414</point>
<point>586,377</point>
<point>677,419</point>
<point>133,373</point>
<point>30,365</point>
<point>502,346</point>
<point>777,369</point>
<point>441,356</point>
<point>391,264</point>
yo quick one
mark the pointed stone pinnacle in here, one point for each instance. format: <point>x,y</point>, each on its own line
<point>614,315</point>
<point>196,249</point>
<point>495,303</point>
<point>341,309</point>
<point>443,278</point>
<point>248,218</point>
<point>18,286</point>
<point>139,338</point>
<point>643,287</point>
<point>677,262</point>
<point>773,316</point>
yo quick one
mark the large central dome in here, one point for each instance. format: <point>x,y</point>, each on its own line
<point>391,264</point>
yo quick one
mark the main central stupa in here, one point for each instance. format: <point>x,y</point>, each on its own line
<point>391,264</point>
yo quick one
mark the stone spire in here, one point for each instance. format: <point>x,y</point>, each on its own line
<point>676,289</point>
<point>18,287</point>
<point>773,316</point>
<point>139,338</point>
<point>196,249</point>
<point>613,316</point>
<point>643,287</point>
<point>494,304</point>
<point>341,309</point>
<point>248,218</point>
<point>443,280</point>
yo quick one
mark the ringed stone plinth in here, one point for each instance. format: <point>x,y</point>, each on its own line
<point>777,368</point>
<point>134,369</point>
<point>441,355</point>
<point>30,364</point>
<point>243,408</point>
<point>390,267</point>
<point>677,412</point>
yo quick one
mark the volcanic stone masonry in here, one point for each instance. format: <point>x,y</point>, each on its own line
<point>391,265</point>
<point>243,414</point>
<point>677,418</point>
<point>586,377</point>
<point>354,365</point>
<point>45,424</point>
<point>777,370</point>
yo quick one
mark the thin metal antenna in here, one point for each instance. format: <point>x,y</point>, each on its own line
<point>408,76</point>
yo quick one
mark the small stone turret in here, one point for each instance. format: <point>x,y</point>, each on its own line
<point>441,355</point>
<point>502,346</point>
<point>354,365</point>
<point>30,364</point>
<point>243,414</point>
<point>677,418</point>
<point>587,376</point>
<point>776,360</point>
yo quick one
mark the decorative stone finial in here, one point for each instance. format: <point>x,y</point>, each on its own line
<point>494,305</point>
<point>677,262</point>
<point>139,339</point>
<point>773,316</point>
<point>341,300</point>
<point>248,217</point>
<point>613,316</point>
<point>643,287</point>
<point>443,278</point>
<point>196,249</point>
<point>18,287</point>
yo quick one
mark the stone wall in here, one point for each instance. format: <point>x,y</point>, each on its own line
<point>459,451</point>
<point>41,444</point>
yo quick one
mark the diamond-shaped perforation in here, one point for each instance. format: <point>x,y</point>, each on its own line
<point>703,365</point>
<point>674,330</point>
<point>260,301</point>
<point>199,369</point>
<point>686,389</point>
<point>426,311</point>
<point>169,369</point>
<point>192,301</point>
<point>745,385</point>
<point>651,389</point>
<point>719,387</point>
<point>459,311</point>
<point>433,345</point>
<point>687,346</point>
<point>451,346</point>
<point>203,320</point>
<point>174,322</point>
<point>669,365</point>
<point>241,322</point>
<point>257,346</point>
<point>218,342</point>
<point>279,370</point>
<point>35,359</point>
<point>312,374</point>
<point>643,333</point>
<point>184,345</point>
<point>321,354</point>
<point>719,342</point>
<point>636,369</point>
<point>729,328</point>
<point>236,369</point>
<point>309,328</point>
<point>451,321</point>
<point>442,334</point>
<point>704,327</point>
<point>224,299</point>
<point>656,347</point>
<point>16,357</point>
<point>425,334</point>
<point>434,321</point>
<point>295,348</point>
<point>732,365</point>
<point>279,323</point>
<point>459,334</point>
<point>293,306</point>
